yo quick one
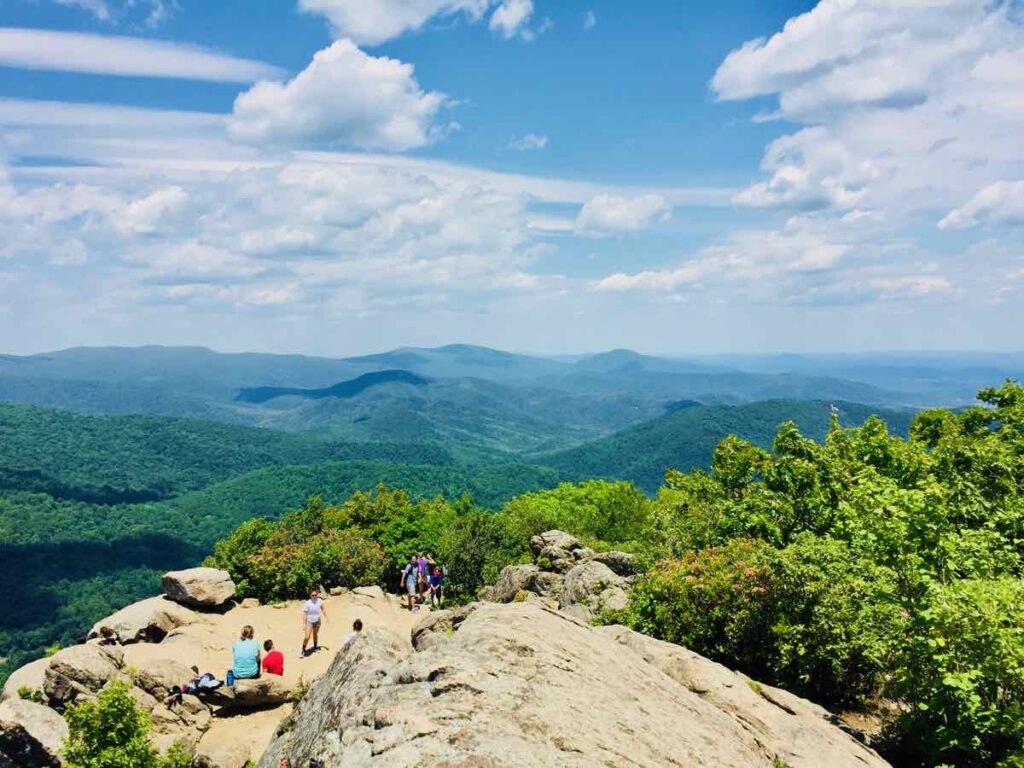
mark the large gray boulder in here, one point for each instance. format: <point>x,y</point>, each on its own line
<point>595,586</point>
<point>148,620</point>
<point>623,563</point>
<point>562,549</point>
<point>31,676</point>
<point>199,587</point>
<point>523,578</point>
<point>31,735</point>
<point>374,592</point>
<point>521,685</point>
<point>158,676</point>
<point>81,670</point>
<point>800,728</point>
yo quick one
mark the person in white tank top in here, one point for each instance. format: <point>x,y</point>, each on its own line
<point>313,613</point>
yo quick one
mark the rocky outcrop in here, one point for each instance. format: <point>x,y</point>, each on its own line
<point>147,621</point>
<point>561,550</point>
<point>199,587</point>
<point>30,735</point>
<point>80,671</point>
<point>520,684</point>
<point>31,676</point>
<point>580,581</point>
<point>225,729</point>
<point>160,675</point>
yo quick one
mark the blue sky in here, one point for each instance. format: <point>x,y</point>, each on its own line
<point>338,176</point>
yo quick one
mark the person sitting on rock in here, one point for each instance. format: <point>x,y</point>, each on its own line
<point>313,612</point>
<point>436,586</point>
<point>273,662</point>
<point>109,636</point>
<point>246,653</point>
<point>410,580</point>
<point>357,627</point>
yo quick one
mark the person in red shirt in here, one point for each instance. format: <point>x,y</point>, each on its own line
<point>273,662</point>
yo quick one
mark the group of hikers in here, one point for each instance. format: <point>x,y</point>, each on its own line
<point>422,577</point>
<point>249,662</point>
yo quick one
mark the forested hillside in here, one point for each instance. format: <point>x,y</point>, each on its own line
<point>686,439</point>
<point>115,459</point>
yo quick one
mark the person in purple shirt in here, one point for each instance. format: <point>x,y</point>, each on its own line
<point>422,569</point>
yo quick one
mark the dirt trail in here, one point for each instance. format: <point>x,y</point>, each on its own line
<point>207,644</point>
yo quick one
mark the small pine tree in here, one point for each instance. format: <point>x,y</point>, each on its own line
<point>111,733</point>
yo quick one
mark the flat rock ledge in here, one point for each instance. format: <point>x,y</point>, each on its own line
<point>521,684</point>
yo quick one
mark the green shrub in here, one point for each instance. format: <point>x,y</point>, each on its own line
<point>813,617</point>
<point>111,733</point>
<point>836,621</point>
<point>717,601</point>
<point>595,510</point>
<point>962,672</point>
<point>345,558</point>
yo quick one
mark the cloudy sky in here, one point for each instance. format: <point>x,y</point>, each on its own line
<point>343,176</point>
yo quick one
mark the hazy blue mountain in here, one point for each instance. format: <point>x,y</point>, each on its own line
<point>465,360</point>
<point>482,400</point>
<point>342,390</point>
<point>467,412</point>
<point>923,378</point>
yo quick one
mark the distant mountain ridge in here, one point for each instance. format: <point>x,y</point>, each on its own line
<point>343,389</point>
<point>482,399</point>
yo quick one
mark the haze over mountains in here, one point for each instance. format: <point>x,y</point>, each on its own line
<point>482,397</point>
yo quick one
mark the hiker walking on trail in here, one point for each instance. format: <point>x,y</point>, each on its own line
<point>422,569</point>
<point>410,581</point>
<point>313,612</point>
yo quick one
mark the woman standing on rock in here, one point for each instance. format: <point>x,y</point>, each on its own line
<point>313,611</point>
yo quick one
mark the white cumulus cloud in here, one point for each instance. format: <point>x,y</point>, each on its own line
<point>511,17</point>
<point>371,22</point>
<point>607,215</point>
<point>903,104</point>
<point>345,96</point>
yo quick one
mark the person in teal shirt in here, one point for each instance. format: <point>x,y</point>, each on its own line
<point>246,653</point>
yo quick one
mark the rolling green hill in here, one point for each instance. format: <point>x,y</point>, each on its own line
<point>686,440</point>
<point>115,459</point>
